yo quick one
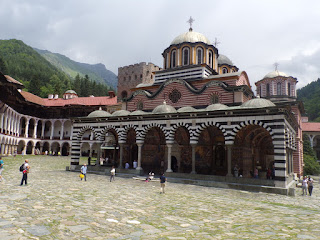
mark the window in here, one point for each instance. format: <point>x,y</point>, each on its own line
<point>135,77</point>
<point>174,96</point>
<point>140,76</point>
<point>289,89</point>
<point>124,79</point>
<point>210,59</point>
<point>214,99</point>
<point>185,56</point>
<point>140,105</point>
<point>124,94</point>
<point>129,78</point>
<point>173,59</point>
<point>268,89</point>
<point>199,55</point>
<point>224,70</point>
<point>278,88</point>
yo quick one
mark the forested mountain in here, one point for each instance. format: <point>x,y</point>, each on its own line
<point>310,96</point>
<point>39,76</point>
<point>96,72</point>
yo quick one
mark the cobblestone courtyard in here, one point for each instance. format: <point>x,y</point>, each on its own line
<point>57,205</point>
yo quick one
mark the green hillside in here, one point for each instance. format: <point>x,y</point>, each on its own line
<point>39,76</point>
<point>310,96</point>
<point>96,72</point>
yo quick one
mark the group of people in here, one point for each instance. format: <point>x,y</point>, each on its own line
<point>307,183</point>
<point>134,165</point>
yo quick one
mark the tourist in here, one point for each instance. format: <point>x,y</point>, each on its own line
<point>113,173</point>
<point>163,180</point>
<point>256,173</point>
<point>1,169</point>
<point>304,185</point>
<point>25,171</point>
<point>150,177</point>
<point>310,185</point>
<point>135,164</point>
<point>84,171</point>
<point>127,165</point>
<point>236,171</point>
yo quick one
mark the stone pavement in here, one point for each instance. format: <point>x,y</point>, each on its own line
<point>57,205</point>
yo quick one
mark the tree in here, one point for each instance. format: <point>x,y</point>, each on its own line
<point>34,85</point>
<point>311,166</point>
<point>56,84</point>
<point>3,66</point>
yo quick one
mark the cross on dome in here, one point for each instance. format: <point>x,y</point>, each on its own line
<point>190,21</point>
<point>216,42</point>
<point>276,66</point>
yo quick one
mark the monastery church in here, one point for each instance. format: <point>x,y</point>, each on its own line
<point>195,118</point>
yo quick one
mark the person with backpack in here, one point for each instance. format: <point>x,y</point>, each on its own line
<point>25,170</point>
<point>1,169</point>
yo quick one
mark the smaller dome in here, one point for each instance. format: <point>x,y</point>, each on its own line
<point>258,103</point>
<point>187,109</point>
<point>191,37</point>
<point>99,113</point>
<point>222,59</point>
<point>138,112</point>
<point>71,92</point>
<point>120,113</point>
<point>216,106</point>
<point>275,74</point>
<point>164,108</point>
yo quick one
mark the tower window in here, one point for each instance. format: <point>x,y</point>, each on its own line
<point>268,89</point>
<point>173,59</point>
<point>124,78</point>
<point>214,99</point>
<point>185,56</point>
<point>199,55</point>
<point>278,88</point>
<point>124,95</point>
<point>174,96</point>
<point>224,70</point>
<point>289,89</point>
<point>210,59</point>
<point>140,105</point>
<point>135,77</point>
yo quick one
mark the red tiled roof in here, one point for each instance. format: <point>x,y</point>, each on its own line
<point>59,102</point>
<point>310,127</point>
<point>12,80</point>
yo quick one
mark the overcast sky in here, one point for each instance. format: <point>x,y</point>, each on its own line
<point>253,34</point>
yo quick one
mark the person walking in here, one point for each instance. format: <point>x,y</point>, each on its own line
<point>84,169</point>
<point>1,169</point>
<point>163,180</point>
<point>26,168</point>
<point>310,185</point>
<point>304,185</point>
<point>113,173</point>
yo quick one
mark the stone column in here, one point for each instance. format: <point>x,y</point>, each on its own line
<point>121,155</point>
<point>35,130</point>
<point>2,149</point>
<point>1,122</point>
<point>229,155</point>
<point>41,148</point>
<point>42,129</point>
<point>26,129</point>
<point>61,131</point>
<point>24,150</point>
<point>71,132</point>
<point>193,145</point>
<point>32,150</point>
<point>52,129</point>
<point>139,156</point>
<point>169,146</point>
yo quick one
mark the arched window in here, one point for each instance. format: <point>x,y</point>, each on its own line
<point>185,56</point>
<point>268,89</point>
<point>210,59</point>
<point>199,55</point>
<point>289,89</point>
<point>173,59</point>
<point>214,99</point>
<point>140,105</point>
<point>224,70</point>
<point>278,88</point>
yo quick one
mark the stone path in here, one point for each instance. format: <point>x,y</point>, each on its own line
<point>57,205</point>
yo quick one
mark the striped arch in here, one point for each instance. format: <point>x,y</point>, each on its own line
<point>83,130</point>
<point>242,125</point>
<point>176,126</point>
<point>148,127</point>
<point>123,133</point>
<point>106,129</point>
<point>206,125</point>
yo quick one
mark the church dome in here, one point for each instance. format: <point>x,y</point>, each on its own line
<point>222,59</point>
<point>258,103</point>
<point>120,113</point>
<point>216,106</point>
<point>138,112</point>
<point>99,113</point>
<point>275,74</point>
<point>71,92</point>
<point>191,37</point>
<point>164,108</point>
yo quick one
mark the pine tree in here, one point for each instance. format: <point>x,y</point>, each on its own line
<point>3,66</point>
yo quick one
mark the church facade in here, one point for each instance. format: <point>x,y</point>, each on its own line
<point>198,116</point>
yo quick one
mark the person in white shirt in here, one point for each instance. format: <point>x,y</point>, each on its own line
<point>113,173</point>
<point>127,165</point>
<point>84,171</point>
<point>304,185</point>
<point>135,164</point>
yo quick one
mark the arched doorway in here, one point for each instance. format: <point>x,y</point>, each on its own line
<point>65,149</point>
<point>110,148</point>
<point>130,152</point>
<point>153,151</point>
<point>29,148</point>
<point>210,152</point>
<point>253,148</point>
<point>181,151</point>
